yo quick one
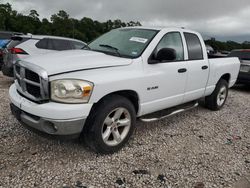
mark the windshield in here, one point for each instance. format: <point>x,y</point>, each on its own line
<point>129,42</point>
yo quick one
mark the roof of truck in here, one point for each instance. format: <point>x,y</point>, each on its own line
<point>161,28</point>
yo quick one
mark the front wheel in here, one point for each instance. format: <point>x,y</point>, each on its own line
<point>110,125</point>
<point>218,98</point>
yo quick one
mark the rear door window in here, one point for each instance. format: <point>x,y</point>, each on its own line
<point>54,44</point>
<point>60,45</point>
<point>42,44</point>
<point>194,46</point>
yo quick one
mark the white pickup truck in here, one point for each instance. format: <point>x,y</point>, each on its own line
<point>128,73</point>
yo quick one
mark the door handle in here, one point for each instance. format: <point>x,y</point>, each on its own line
<point>182,70</point>
<point>204,67</point>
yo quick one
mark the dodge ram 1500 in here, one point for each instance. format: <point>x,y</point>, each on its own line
<point>98,93</point>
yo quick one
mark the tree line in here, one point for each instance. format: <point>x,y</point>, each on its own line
<point>85,29</point>
<point>60,24</point>
<point>227,46</point>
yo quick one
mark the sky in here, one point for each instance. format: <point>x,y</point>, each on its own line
<point>222,19</point>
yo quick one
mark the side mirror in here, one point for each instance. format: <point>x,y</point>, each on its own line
<point>164,55</point>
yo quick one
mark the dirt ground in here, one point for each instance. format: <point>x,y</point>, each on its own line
<point>196,149</point>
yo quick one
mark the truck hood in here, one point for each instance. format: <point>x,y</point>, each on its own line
<point>75,60</point>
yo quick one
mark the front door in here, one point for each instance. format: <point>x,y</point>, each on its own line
<point>166,81</point>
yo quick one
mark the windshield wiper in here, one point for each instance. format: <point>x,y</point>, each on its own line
<point>111,47</point>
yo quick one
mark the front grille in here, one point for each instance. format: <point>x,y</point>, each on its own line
<point>31,81</point>
<point>33,90</point>
<point>30,75</point>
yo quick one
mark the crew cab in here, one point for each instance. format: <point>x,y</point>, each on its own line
<point>128,73</point>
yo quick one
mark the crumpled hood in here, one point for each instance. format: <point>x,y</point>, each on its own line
<point>73,60</point>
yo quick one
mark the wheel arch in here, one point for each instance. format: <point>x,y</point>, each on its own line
<point>226,77</point>
<point>131,95</point>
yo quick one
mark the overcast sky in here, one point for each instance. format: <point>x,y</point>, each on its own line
<point>224,19</point>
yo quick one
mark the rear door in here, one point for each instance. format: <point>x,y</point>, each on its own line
<point>198,67</point>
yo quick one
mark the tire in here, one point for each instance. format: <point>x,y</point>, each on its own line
<point>218,98</point>
<point>110,125</point>
<point>7,71</point>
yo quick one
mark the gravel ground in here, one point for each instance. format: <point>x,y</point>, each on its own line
<point>198,148</point>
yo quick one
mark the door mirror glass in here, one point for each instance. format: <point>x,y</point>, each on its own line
<point>164,55</point>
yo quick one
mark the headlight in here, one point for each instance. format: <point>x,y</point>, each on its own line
<point>71,91</point>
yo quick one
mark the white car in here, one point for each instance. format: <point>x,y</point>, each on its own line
<point>125,74</point>
<point>24,46</point>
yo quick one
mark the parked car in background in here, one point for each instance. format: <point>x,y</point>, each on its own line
<point>224,52</point>
<point>3,44</point>
<point>5,37</point>
<point>244,56</point>
<point>24,46</point>
<point>8,34</point>
<point>126,73</point>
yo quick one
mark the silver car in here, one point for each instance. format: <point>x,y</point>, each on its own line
<point>24,46</point>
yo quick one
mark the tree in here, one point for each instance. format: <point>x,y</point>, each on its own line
<point>60,24</point>
<point>227,46</point>
<point>5,16</point>
<point>33,14</point>
<point>45,28</point>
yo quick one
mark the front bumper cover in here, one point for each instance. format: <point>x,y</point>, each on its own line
<point>49,126</point>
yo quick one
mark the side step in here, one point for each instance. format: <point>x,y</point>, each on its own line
<point>156,116</point>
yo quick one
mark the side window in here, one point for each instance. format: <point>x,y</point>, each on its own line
<point>60,45</point>
<point>194,47</point>
<point>77,45</point>
<point>172,40</point>
<point>42,44</point>
<point>50,44</point>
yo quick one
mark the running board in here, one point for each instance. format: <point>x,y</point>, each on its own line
<point>156,116</point>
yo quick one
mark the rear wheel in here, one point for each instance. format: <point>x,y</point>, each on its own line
<point>110,125</point>
<point>218,98</point>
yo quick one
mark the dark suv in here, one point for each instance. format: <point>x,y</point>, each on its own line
<point>244,56</point>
